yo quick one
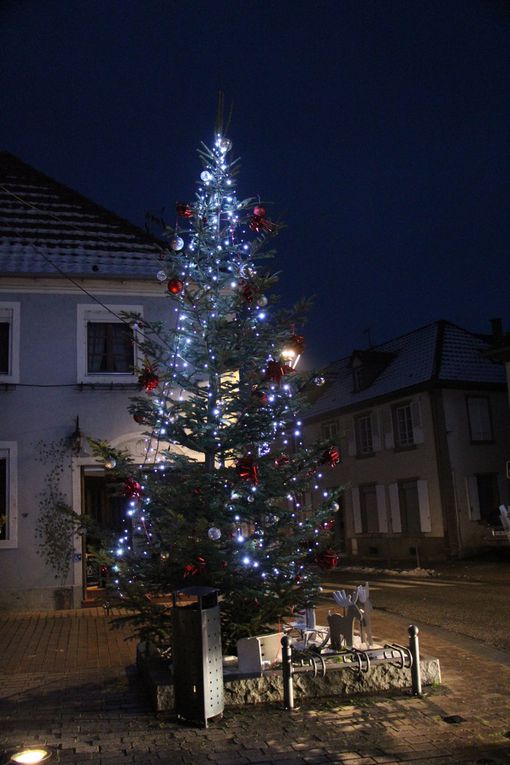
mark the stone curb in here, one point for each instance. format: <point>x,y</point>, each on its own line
<point>239,690</point>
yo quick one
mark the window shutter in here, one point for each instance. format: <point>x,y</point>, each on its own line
<point>382,515</point>
<point>472,498</point>
<point>424,506</point>
<point>396,523</point>
<point>356,511</point>
<point>417,421</point>
<point>376,437</point>
<point>351,440</point>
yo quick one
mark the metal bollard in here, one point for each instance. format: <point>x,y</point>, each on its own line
<point>414,647</point>
<point>288,688</point>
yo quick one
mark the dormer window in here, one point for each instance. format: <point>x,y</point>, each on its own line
<point>367,366</point>
<point>359,377</point>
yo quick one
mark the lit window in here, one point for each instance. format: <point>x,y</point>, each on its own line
<point>480,425</point>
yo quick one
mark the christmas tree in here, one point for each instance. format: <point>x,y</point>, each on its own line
<point>223,496</point>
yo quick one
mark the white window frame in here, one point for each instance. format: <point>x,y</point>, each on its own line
<point>407,429</point>
<point>9,451</point>
<point>10,313</point>
<point>88,312</point>
<point>330,429</point>
<point>480,419</point>
<point>364,435</point>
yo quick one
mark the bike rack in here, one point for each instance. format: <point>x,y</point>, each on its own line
<point>359,661</point>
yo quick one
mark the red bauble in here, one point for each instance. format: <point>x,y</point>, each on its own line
<point>327,559</point>
<point>331,456</point>
<point>138,418</point>
<point>184,210</point>
<point>281,460</point>
<point>275,371</point>
<point>175,286</point>
<point>247,469</point>
<point>259,211</point>
<point>132,489</point>
<point>149,379</point>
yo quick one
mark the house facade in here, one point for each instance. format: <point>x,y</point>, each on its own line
<point>423,424</point>
<point>68,271</point>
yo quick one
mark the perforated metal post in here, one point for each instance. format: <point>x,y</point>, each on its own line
<point>414,647</point>
<point>288,687</point>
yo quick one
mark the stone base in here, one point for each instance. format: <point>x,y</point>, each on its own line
<point>267,687</point>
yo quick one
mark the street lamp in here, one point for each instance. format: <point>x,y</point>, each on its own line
<point>292,350</point>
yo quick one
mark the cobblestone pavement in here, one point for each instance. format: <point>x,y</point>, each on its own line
<point>68,681</point>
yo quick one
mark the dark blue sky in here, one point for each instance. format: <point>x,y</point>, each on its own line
<point>380,130</point>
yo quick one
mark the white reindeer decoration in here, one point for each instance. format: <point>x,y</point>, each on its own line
<point>357,608</point>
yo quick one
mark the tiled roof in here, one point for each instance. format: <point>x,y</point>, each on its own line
<point>45,226</point>
<point>440,352</point>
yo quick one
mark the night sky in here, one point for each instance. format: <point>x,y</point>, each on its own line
<point>378,129</point>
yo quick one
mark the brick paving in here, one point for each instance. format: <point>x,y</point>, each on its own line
<point>67,680</point>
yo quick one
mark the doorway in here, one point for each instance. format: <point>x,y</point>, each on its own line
<point>107,512</point>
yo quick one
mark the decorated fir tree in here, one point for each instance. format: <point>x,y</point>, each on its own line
<point>223,496</point>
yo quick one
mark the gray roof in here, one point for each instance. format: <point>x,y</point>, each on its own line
<point>440,353</point>
<point>45,226</point>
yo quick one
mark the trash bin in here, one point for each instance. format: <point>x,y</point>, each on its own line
<point>197,656</point>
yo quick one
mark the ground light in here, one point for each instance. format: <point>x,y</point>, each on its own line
<point>31,755</point>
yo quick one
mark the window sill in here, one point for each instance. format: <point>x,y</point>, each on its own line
<point>365,456</point>
<point>118,385</point>
<point>405,448</point>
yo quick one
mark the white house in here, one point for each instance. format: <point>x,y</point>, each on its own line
<point>424,428</point>
<point>68,268</point>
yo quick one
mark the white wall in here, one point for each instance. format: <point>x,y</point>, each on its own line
<point>28,414</point>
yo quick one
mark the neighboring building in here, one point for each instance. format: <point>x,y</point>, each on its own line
<point>423,423</point>
<point>499,348</point>
<point>67,268</point>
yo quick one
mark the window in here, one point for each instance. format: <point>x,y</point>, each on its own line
<point>8,515</point>
<point>484,498</point>
<point>368,508</point>
<point>403,425</point>
<point>9,342</point>
<point>364,439</point>
<point>107,351</point>
<point>109,347</point>
<point>329,430</point>
<point>359,378</point>
<point>480,425</point>
<point>409,507</point>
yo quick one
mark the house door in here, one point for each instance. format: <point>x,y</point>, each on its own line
<point>488,497</point>
<point>107,511</point>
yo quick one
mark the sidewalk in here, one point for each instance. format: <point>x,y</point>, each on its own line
<point>68,681</point>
